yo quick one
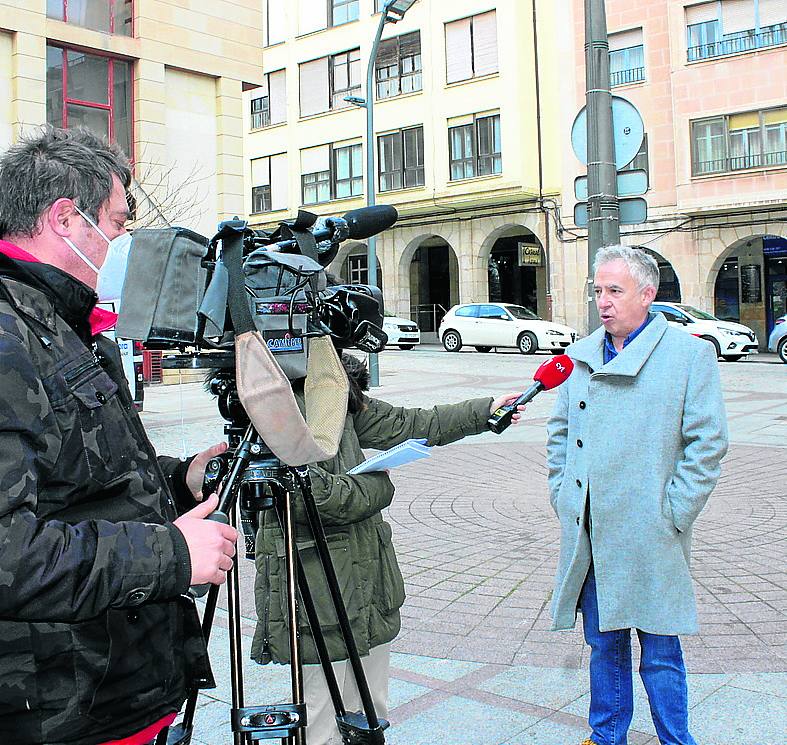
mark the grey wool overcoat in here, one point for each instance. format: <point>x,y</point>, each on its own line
<point>637,443</point>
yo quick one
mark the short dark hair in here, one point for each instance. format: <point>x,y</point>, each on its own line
<point>51,164</point>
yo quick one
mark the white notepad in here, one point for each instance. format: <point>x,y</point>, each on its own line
<point>404,452</point>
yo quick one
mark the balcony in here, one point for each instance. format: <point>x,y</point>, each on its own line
<point>741,163</point>
<point>624,77</point>
<point>744,41</point>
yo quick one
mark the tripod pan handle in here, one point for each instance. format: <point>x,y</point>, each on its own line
<point>197,591</point>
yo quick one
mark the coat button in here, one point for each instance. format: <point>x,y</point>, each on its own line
<point>579,483</point>
<point>577,520</point>
<point>579,443</point>
<point>100,397</point>
<point>132,616</point>
<point>582,404</point>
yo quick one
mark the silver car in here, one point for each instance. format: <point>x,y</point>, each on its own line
<point>777,341</point>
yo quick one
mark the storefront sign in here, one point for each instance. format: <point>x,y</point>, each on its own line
<point>529,254</point>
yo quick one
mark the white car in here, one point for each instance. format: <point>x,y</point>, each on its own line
<point>402,332</point>
<point>488,325</point>
<point>732,340</point>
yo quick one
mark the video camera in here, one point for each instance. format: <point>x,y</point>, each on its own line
<point>176,294</point>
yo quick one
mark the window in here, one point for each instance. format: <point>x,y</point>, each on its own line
<point>109,16</point>
<point>470,311</point>
<point>358,269</point>
<point>275,25</point>
<point>89,90</point>
<point>345,77</point>
<point>401,159</point>
<point>330,172</point>
<point>626,57</point>
<point>474,148</point>
<point>269,183</point>
<point>640,161</point>
<point>343,11</point>
<point>471,47</point>
<point>325,82</point>
<point>398,65</point>
<point>270,107</point>
<point>754,139</point>
<point>718,28</point>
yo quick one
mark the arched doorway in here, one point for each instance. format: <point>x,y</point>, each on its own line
<point>433,281</point>
<point>750,286</point>
<point>516,268</point>
<point>669,284</point>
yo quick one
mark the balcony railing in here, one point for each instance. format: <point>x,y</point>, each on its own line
<point>260,119</point>
<point>740,162</point>
<point>624,77</point>
<point>745,41</point>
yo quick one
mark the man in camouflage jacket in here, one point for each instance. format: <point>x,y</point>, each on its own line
<point>97,639</point>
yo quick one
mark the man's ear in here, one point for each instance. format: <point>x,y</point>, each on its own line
<point>649,294</point>
<point>60,217</point>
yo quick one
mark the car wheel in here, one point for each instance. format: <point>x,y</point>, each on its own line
<point>781,350</point>
<point>406,346</point>
<point>452,341</point>
<point>715,344</point>
<point>483,349</point>
<point>733,357</point>
<point>527,343</point>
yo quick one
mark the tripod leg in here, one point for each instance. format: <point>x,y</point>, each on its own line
<point>318,532</point>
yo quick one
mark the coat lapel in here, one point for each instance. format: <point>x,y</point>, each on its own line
<point>629,362</point>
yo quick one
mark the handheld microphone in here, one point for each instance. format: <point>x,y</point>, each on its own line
<point>549,375</point>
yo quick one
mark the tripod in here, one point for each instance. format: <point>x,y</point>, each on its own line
<point>250,476</point>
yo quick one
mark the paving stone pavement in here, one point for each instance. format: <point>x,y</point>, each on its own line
<point>475,663</point>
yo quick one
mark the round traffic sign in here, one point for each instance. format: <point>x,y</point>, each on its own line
<point>627,132</point>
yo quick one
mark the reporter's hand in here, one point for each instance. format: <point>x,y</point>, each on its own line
<point>195,475</point>
<point>211,544</point>
<point>505,400</point>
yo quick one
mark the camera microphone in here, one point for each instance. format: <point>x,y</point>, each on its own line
<point>368,221</point>
<point>549,375</point>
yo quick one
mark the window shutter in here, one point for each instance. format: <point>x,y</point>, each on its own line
<point>388,53</point>
<point>314,86</point>
<point>458,56</point>
<point>276,22</point>
<point>410,44</point>
<point>772,12</point>
<point>737,15</point>
<point>260,172</point>
<point>625,39</point>
<point>775,116</point>
<point>313,16</point>
<point>278,95</point>
<point>315,159</point>
<point>702,13</point>
<point>279,179</point>
<point>485,43</point>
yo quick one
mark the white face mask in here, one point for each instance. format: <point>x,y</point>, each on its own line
<point>112,273</point>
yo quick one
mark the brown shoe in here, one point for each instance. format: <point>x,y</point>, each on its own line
<point>588,742</point>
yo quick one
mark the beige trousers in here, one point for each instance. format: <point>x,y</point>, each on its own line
<point>322,729</point>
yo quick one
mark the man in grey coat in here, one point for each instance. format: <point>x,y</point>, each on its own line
<point>634,447</point>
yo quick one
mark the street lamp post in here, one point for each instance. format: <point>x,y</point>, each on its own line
<point>392,12</point>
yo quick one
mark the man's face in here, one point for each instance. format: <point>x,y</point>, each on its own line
<point>112,218</point>
<point>622,306</point>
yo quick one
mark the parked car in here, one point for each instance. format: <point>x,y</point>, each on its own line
<point>777,342</point>
<point>488,325</point>
<point>402,332</point>
<point>732,340</point>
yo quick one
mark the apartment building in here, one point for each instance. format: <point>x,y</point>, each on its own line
<point>466,142</point>
<point>163,79</point>
<point>708,79</point>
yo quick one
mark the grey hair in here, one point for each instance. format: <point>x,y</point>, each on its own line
<point>640,263</point>
<point>52,164</point>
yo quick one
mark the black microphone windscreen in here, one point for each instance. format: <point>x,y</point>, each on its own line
<point>369,221</point>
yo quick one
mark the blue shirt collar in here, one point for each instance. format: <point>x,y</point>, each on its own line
<point>609,348</point>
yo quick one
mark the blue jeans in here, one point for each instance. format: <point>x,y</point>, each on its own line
<point>611,693</point>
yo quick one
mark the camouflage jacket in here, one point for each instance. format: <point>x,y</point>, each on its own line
<point>96,639</point>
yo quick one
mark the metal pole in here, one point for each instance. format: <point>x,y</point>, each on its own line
<point>603,211</point>
<point>371,184</point>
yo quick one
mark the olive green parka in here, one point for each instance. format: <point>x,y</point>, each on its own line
<point>359,540</point>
